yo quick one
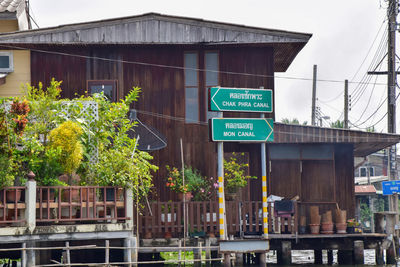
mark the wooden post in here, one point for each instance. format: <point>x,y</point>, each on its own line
<point>23,255</point>
<point>284,254</point>
<point>107,252</point>
<point>208,251</point>
<point>379,255</point>
<point>68,254</point>
<point>345,257</point>
<point>197,253</point>
<point>263,259</point>
<point>330,257</point>
<point>179,253</point>
<point>358,252</point>
<point>318,256</point>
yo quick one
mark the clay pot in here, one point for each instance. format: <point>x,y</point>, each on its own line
<point>314,228</point>
<point>340,216</point>
<point>327,217</point>
<point>84,194</point>
<point>327,228</point>
<point>302,229</point>
<point>12,197</point>
<point>74,195</point>
<point>187,196</point>
<point>341,228</point>
<point>315,218</point>
<point>303,221</point>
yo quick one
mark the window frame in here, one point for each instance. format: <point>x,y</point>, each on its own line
<point>190,121</point>
<point>206,87</point>
<point>11,61</point>
<point>114,83</point>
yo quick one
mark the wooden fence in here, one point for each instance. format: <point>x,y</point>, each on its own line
<point>166,219</point>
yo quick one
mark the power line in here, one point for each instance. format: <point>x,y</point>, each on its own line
<point>178,67</point>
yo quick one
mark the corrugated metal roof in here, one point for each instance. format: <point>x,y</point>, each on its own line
<point>365,189</point>
<point>9,5</point>
<point>365,143</point>
<point>153,28</point>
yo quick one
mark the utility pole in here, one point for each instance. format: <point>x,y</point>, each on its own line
<point>391,90</point>
<point>314,91</point>
<point>346,104</point>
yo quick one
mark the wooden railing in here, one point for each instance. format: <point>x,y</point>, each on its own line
<point>12,205</point>
<point>166,219</point>
<point>80,203</point>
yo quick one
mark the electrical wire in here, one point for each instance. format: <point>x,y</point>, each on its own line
<point>178,67</point>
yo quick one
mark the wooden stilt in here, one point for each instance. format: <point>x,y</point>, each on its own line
<point>330,257</point>
<point>318,256</point>
<point>358,252</point>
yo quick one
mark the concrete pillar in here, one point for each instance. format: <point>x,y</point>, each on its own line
<point>227,260</point>
<point>30,255</point>
<point>284,255</point>
<point>239,260</point>
<point>379,256</point>
<point>330,256</point>
<point>317,256</point>
<point>345,257</point>
<point>358,252</point>
<point>129,207</point>
<point>30,204</point>
<point>263,259</point>
<point>127,251</point>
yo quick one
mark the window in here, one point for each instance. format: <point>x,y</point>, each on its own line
<point>211,65</point>
<point>108,87</point>
<point>363,171</point>
<point>6,62</point>
<point>191,87</point>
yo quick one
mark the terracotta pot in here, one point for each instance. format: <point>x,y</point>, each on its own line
<point>341,228</point>
<point>148,235</point>
<point>231,196</point>
<point>74,195</point>
<point>315,218</point>
<point>187,196</point>
<point>50,195</point>
<point>167,235</point>
<point>303,221</point>
<point>326,228</point>
<point>84,194</point>
<point>11,197</point>
<point>314,229</point>
<point>340,216</point>
<point>327,217</point>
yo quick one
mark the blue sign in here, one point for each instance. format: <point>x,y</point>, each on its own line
<point>391,187</point>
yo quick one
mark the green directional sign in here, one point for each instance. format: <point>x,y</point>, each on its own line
<point>240,99</point>
<point>242,130</point>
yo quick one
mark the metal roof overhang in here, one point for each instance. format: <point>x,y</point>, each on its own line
<point>364,143</point>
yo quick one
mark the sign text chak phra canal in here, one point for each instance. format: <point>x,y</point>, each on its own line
<point>234,99</point>
<point>242,130</point>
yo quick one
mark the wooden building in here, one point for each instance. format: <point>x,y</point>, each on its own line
<point>174,60</point>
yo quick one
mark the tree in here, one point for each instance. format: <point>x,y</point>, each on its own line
<point>337,124</point>
<point>293,121</point>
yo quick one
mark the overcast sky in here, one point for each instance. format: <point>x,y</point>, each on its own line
<point>343,33</point>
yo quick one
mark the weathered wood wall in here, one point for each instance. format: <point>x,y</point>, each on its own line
<point>162,93</point>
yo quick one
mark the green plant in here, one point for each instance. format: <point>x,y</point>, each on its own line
<point>235,177</point>
<point>201,187</point>
<point>66,138</point>
<point>365,212</point>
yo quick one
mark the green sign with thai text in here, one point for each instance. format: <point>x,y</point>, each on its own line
<point>241,99</point>
<point>242,130</point>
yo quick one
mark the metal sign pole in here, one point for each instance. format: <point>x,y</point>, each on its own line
<point>221,191</point>
<point>264,184</point>
<point>264,187</point>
